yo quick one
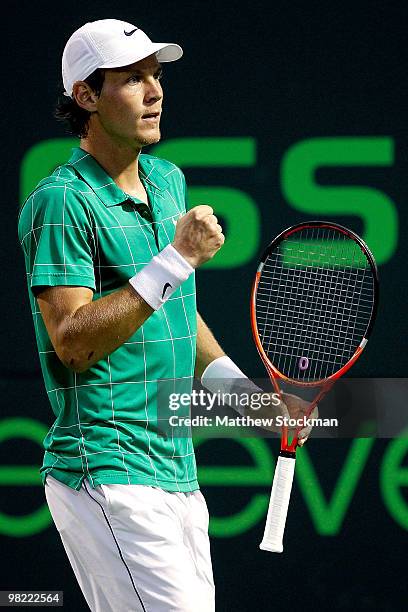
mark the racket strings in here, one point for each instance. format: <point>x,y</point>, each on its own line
<point>316,323</point>
<point>315,312</point>
<point>313,303</point>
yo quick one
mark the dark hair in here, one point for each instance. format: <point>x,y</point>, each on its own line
<point>69,111</point>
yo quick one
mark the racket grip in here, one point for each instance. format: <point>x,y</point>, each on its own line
<point>278,504</point>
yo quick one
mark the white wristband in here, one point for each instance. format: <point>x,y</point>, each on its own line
<point>222,367</point>
<point>161,276</point>
<point>223,376</point>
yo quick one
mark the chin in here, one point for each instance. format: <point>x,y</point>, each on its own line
<point>150,139</point>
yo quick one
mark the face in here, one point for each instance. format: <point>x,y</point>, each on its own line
<point>130,104</point>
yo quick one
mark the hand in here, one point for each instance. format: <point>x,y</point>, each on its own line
<point>297,408</point>
<point>292,407</point>
<point>198,235</point>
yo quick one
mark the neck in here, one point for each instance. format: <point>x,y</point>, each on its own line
<point>119,160</point>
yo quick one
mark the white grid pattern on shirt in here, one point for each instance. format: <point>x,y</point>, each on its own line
<point>174,359</point>
<point>83,451</point>
<point>189,336</point>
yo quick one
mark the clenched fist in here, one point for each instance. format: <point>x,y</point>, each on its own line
<point>198,235</point>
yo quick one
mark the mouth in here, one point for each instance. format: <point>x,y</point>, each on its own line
<point>151,117</point>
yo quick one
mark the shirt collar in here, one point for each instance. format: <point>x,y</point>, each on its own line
<point>105,187</point>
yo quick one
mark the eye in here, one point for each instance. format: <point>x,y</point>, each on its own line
<point>158,75</point>
<point>135,78</point>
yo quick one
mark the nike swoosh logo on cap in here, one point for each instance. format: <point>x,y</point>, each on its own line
<point>130,33</point>
<point>166,286</point>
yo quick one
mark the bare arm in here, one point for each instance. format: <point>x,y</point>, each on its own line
<point>82,331</point>
<point>208,348</point>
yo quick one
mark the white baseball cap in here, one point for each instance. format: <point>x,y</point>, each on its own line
<point>109,43</point>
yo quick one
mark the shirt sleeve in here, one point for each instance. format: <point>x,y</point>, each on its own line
<point>56,234</point>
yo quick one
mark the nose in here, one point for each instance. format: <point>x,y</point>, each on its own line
<point>153,90</point>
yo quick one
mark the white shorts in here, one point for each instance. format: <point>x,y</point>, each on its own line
<point>135,548</point>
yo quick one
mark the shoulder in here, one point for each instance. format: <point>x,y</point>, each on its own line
<point>61,194</point>
<point>167,169</point>
<point>62,182</point>
<point>61,187</point>
<point>160,164</point>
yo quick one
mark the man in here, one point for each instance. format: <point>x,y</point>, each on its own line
<point>110,254</point>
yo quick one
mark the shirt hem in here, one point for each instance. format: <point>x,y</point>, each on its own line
<point>97,479</point>
<point>53,279</point>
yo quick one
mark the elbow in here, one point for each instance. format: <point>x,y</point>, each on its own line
<point>74,364</point>
<point>73,356</point>
<point>72,361</point>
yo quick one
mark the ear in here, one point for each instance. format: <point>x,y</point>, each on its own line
<point>84,96</point>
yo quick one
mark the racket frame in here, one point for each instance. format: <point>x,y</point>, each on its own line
<point>272,370</point>
<point>282,483</point>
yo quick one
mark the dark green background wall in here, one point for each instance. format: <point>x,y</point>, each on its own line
<point>270,76</point>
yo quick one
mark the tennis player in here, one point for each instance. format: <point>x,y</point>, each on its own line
<point>110,254</point>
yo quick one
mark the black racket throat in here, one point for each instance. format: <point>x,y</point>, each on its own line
<point>287,454</point>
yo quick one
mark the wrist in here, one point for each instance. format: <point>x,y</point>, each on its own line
<point>160,278</point>
<point>223,376</point>
<point>192,260</point>
<point>219,369</point>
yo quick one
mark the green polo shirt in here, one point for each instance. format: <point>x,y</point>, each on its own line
<point>79,228</point>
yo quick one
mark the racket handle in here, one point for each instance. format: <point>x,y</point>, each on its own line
<point>278,504</point>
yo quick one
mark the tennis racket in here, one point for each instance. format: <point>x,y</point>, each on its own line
<point>313,306</point>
